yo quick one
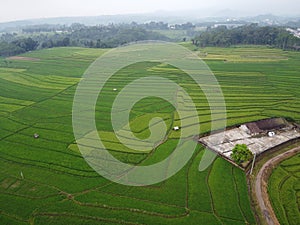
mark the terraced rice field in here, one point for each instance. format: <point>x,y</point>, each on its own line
<point>46,180</point>
<point>284,189</point>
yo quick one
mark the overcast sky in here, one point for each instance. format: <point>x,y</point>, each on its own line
<point>27,9</point>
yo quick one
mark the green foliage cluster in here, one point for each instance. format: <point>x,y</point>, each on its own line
<point>241,153</point>
<point>18,46</point>
<point>8,49</point>
<point>109,36</point>
<point>249,35</point>
<point>77,35</point>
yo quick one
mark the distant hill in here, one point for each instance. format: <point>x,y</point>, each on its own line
<point>194,16</point>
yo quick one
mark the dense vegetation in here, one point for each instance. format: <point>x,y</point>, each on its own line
<point>109,36</point>
<point>241,153</point>
<point>284,190</point>
<point>249,35</point>
<point>46,181</point>
<point>18,46</point>
<point>76,35</point>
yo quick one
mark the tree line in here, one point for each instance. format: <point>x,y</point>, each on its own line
<point>109,36</point>
<point>17,46</point>
<point>247,35</point>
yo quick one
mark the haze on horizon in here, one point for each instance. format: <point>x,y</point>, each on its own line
<point>31,9</point>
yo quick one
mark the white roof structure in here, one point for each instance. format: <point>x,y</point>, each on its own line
<point>176,128</point>
<point>271,134</point>
<point>241,135</point>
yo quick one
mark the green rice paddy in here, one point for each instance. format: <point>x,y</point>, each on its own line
<point>284,190</point>
<point>58,186</point>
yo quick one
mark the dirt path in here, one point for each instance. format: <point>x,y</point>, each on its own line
<point>261,185</point>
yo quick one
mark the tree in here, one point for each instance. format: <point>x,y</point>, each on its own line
<point>9,49</point>
<point>241,153</point>
<point>66,41</point>
<point>249,34</point>
<point>28,44</point>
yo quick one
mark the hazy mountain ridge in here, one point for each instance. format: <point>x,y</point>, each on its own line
<point>194,16</point>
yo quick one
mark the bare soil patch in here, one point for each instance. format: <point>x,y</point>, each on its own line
<point>15,185</point>
<point>23,58</point>
<point>7,182</point>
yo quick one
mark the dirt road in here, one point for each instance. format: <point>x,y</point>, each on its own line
<point>261,184</point>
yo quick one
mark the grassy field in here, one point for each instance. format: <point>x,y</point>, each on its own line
<point>284,189</point>
<point>58,187</point>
